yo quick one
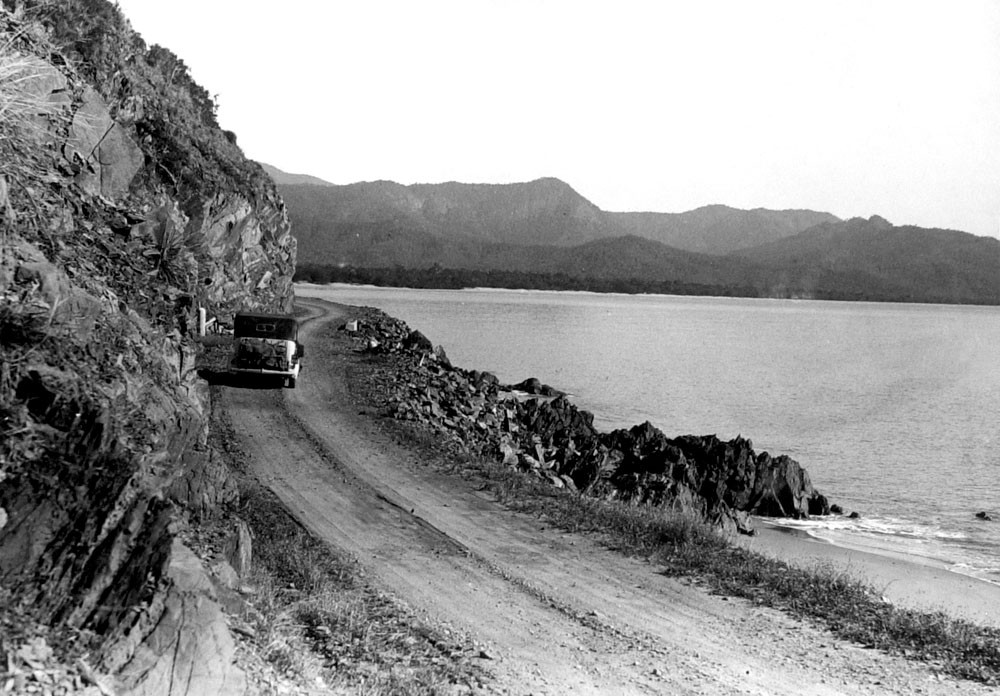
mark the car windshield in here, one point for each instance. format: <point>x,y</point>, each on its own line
<point>265,326</point>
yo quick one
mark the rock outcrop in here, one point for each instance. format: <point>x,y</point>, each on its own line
<point>554,440</point>
<point>123,209</point>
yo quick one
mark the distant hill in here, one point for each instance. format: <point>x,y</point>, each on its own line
<point>622,257</point>
<point>875,258</point>
<point>718,229</point>
<point>546,211</point>
<point>542,212</point>
<point>280,177</point>
<point>546,230</point>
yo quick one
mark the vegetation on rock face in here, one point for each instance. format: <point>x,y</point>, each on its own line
<point>222,200</point>
<point>151,89</point>
<point>122,208</point>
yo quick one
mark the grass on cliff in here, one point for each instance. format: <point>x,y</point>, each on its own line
<point>16,102</point>
<point>20,104</point>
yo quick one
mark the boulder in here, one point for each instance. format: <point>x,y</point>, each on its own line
<point>190,650</point>
<point>67,305</point>
<point>205,484</point>
<point>557,423</point>
<point>818,503</point>
<point>533,386</point>
<point>417,341</point>
<point>483,380</point>
<point>110,159</point>
<point>239,549</point>
<point>53,285</point>
<point>43,88</point>
<point>441,356</point>
<point>530,386</point>
<point>782,488</point>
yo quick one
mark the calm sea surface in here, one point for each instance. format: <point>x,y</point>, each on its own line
<point>894,409</point>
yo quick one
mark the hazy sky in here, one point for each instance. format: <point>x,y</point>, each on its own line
<point>856,108</point>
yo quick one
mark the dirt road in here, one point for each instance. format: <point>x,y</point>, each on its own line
<point>558,614</point>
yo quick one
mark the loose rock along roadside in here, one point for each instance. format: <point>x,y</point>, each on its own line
<point>555,612</point>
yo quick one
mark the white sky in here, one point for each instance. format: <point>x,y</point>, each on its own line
<point>852,107</point>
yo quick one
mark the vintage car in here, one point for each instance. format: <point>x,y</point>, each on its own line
<point>267,344</point>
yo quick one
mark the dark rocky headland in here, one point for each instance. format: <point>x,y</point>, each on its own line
<point>536,429</point>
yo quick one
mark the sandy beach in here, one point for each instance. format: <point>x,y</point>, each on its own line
<point>907,581</point>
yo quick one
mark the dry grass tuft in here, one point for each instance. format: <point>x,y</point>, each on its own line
<point>21,104</point>
<point>26,113</point>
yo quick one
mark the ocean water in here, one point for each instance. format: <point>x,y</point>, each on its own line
<point>894,409</point>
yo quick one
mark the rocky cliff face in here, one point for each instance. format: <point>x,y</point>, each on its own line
<point>123,208</point>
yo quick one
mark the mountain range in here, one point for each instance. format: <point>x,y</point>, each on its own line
<point>544,234</point>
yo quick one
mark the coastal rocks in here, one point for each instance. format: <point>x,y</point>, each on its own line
<point>725,475</point>
<point>533,386</point>
<point>417,341</point>
<point>785,490</point>
<point>537,430</point>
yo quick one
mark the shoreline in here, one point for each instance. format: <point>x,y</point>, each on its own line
<point>905,580</point>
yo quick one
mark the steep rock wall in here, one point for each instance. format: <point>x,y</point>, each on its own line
<point>123,208</point>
